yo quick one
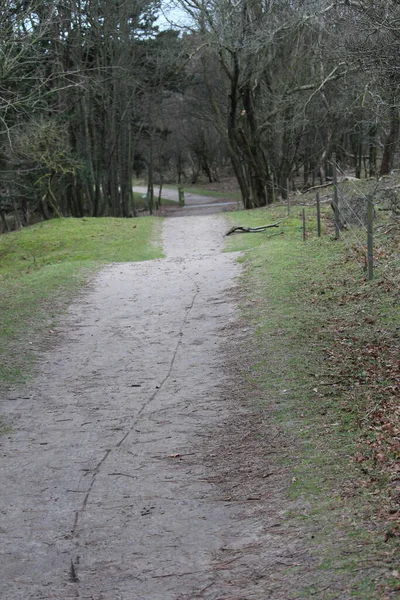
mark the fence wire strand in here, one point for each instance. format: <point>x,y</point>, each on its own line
<point>343,197</point>
<point>350,235</point>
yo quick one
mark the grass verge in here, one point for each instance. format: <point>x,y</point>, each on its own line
<point>324,355</point>
<point>41,269</point>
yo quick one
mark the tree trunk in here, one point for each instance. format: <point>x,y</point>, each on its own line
<point>322,162</point>
<point>356,149</point>
<point>4,220</point>
<point>160,192</point>
<point>306,173</point>
<point>256,160</point>
<point>207,170</point>
<point>372,150</point>
<point>150,186</point>
<point>359,154</point>
<point>391,142</point>
<point>88,156</point>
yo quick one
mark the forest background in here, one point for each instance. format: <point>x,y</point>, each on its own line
<point>94,93</point>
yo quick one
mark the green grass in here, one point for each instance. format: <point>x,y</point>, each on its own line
<point>291,292</point>
<point>44,266</point>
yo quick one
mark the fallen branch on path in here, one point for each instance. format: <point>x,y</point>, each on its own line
<point>252,229</point>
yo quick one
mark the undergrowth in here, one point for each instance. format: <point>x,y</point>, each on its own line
<point>325,355</point>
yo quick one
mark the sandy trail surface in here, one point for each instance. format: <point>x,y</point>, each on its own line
<point>103,496</point>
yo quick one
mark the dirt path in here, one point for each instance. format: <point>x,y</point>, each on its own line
<point>195,204</point>
<point>104,495</point>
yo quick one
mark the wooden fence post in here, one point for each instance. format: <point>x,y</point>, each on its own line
<point>304,225</point>
<point>181,196</point>
<point>273,187</point>
<point>288,197</point>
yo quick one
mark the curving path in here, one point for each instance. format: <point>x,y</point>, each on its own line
<point>195,204</point>
<point>103,497</point>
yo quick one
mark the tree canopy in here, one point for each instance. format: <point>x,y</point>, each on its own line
<point>92,93</point>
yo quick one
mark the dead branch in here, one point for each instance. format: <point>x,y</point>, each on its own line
<point>328,183</point>
<point>241,229</point>
<point>317,187</point>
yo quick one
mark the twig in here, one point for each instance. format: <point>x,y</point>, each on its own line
<point>205,588</point>
<point>175,574</point>
<point>72,573</point>
<point>124,475</point>
<point>222,565</point>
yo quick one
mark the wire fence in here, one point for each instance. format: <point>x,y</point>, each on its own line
<point>356,204</point>
<point>354,218</point>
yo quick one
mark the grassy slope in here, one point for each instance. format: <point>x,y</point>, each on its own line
<point>307,300</point>
<point>42,267</point>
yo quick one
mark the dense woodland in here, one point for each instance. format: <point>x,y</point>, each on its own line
<point>93,93</point>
